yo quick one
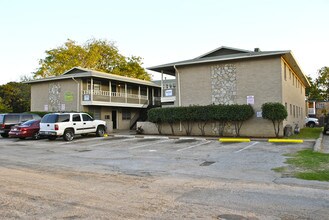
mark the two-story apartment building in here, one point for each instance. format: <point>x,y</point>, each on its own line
<point>116,99</point>
<point>168,91</point>
<point>235,76</point>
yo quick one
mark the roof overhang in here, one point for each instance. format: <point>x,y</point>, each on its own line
<point>170,67</point>
<point>78,72</point>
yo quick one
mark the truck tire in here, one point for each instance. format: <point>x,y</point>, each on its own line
<point>68,135</point>
<point>100,131</point>
<point>311,124</point>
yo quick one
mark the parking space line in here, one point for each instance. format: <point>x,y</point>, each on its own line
<point>145,145</point>
<point>250,145</point>
<point>80,140</point>
<point>107,142</point>
<point>196,145</point>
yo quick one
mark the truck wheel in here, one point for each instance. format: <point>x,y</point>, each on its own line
<point>311,124</point>
<point>36,136</point>
<point>4,135</point>
<point>68,135</point>
<point>100,131</point>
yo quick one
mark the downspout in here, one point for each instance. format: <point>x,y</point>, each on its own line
<point>179,95</point>
<point>78,95</point>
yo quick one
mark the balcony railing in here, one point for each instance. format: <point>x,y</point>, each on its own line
<point>118,97</point>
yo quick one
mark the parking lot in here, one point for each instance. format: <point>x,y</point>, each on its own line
<point>201,176</point>
<point>153,156</point>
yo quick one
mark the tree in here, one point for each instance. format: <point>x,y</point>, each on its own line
<point>3,107</point>
<point>322,82</point>
<point>313,92</point>
<point>240,114</point>
<point>100,55</point>
<point>276,112</point>
<point>15,97</point>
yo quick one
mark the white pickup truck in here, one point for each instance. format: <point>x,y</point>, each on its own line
<point>311,122</point>
<point>67,125</point>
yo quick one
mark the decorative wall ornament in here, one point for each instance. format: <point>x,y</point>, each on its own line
<point>54,97</point>
<point>223,84</point>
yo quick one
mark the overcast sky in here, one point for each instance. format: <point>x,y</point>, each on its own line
<point>162,31</point>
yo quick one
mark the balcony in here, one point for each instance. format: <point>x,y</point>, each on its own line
<point>118,99</point>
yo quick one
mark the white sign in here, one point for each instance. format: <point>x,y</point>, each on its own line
<point>45,108</point>
<point>168,92</point>
<point>86,97</point>
<point>250,99</point>
<point>259,114</point>
<point>62,107</point>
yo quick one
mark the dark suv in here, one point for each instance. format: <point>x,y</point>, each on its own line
<point>10,119</point>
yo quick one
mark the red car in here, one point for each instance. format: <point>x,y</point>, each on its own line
<point>27,129</point>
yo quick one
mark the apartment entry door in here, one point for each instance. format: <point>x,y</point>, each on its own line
<point>114,119</point>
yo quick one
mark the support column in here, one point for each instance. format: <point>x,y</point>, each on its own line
<point>147,95</point>
<point>153,102</point>
<point>110,89</point>
<point>126,95</point>
<point>92,89</point>
<point>139,94</point>
<point>161,83</point>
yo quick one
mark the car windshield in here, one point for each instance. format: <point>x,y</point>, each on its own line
<point>29,123</point>
<point>11,119</point>
<point>53,118</point>
<point>1,119</point>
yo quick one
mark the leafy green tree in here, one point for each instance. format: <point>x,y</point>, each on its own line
<point>16,96</point>
<point>275,112</point>
<point>100,55</point>
<point>155,115</point>
<point>322,82</point>
<point>240,114</point>
<point>3,107</point>
<point>313,92</point>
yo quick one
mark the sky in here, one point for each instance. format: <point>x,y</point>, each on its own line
<point>162,31</point>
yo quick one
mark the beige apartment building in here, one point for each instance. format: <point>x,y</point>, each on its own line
<point>235,76</point>
<point>118,100</point>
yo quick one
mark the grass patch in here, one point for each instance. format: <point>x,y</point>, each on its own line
<point>307,165</point>
<point>307,133</point>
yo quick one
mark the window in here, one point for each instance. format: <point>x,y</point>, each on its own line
<point>293,80</point>
<point>86,117</point>
<point>11,119</point>
<point>63,118</point>
<point>76,117</point>
<point>290,109</point>
<point>296,80</point>
<point>289,73</point>
<point>97,85</point>
<point>286,106</point>
<point>126,115</point>
<point>294,111</point>
<point>26,117</point>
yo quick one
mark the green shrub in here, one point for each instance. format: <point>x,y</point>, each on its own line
<point>275,112</point>
<point>221,114</point>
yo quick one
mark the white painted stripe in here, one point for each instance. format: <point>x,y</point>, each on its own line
<point>145,145</point>
<point>194,146</point>
<point>80,140</point>
<point>110,142</point>
<point>238,151</point>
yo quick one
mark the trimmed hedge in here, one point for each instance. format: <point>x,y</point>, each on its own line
<point>221,114</point>
<point>275,112</point>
